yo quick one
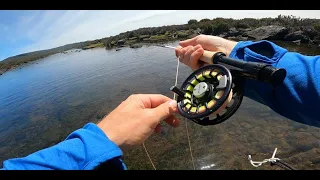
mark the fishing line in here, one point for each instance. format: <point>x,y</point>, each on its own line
<point>186,122</point>
<point>213,93</point>
<point>273,160</point>
<point>145,149</point>
<point>186,125</point>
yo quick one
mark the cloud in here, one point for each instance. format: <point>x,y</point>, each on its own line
<point>48,29</point>
<point>56,29</point>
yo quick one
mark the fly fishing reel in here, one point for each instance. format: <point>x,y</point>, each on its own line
<point>210,95</point>
<point>213,93</point>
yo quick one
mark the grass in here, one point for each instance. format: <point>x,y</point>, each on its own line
<point>158,37</point>
<point>131,41</point>
<point>94,46</point>
<point>144,36</point>
<point>182,34</point>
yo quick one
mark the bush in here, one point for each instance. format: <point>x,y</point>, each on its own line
<point>241,25</point>
<point>317,27</point>
<point>192,21</point>
<point>220,28</point>
<point>204,20</point>
<point>207,29</point>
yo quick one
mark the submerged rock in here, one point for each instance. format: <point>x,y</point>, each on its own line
<point>136,46</point>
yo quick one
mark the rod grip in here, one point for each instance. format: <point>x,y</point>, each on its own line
<point>207,56</point>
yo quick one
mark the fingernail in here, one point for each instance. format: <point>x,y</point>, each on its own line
<point>173,103</point>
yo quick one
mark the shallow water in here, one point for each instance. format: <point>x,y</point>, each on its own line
<point>42,103</point>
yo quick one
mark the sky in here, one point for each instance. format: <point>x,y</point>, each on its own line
<point>24,31</point>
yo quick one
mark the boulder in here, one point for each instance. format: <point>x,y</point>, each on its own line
<point>233,32</point>
<point>297,35</point>
<point>272,32</point>
<point>136,46</point>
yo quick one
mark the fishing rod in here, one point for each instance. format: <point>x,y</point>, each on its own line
<point>213,93</point>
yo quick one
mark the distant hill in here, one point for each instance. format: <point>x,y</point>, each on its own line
<point>286,28</point>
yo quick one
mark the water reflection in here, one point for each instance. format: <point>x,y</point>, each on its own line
<point>207,167</point>
<point>42,103</point>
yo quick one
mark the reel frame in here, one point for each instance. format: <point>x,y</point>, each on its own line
<point>209,74</point>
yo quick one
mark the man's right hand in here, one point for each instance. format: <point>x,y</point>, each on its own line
<point>190,50</point>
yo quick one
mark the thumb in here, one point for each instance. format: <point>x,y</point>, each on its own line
<point>164,110</point>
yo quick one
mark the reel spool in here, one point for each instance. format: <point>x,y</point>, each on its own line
<point>210,95</point>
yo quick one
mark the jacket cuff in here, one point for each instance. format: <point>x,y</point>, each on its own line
<point>99,148</point>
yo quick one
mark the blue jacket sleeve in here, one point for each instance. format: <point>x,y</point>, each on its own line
<point>83,149</point>
<point>298,97</point>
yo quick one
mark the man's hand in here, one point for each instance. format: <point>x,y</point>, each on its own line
<point>190,50</point>
<point>136,118</point>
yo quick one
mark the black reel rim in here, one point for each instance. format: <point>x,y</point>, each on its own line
<point>237,98</point>
<point>219,102</point>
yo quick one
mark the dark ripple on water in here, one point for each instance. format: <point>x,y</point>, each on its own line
<point>42,103</point>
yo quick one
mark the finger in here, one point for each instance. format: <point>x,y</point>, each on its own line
<point>162,112</point>
<point>190,51</point>
<point>172,121</point>
<point>177,50</point>
<point>182,54</point>
<point>189,42</point>
<point>158,128</point>
<point>195,61</point>
<point>188,54</point>
<point>153,100</point>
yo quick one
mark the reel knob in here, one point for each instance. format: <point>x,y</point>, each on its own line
<point>208,91</point>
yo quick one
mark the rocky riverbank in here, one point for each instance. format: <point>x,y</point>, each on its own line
<point>272,33</point>
<point>281,28</point>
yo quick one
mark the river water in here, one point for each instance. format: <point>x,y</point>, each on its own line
<point>42,103</point>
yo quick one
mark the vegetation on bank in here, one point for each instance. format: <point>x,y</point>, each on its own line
<point>285,28</point>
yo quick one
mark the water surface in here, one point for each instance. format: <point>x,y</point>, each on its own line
<point>42,103</point>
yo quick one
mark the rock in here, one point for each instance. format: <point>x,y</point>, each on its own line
<point>297,42</point>
<point>316,40</point>
<point>241,38</point>
<point>232,38</point>
<point>272,32</point>
<point>197,31</point>
<point>310,32</point>
<point>297,35</point>
<point>118,49</point>
<point>233,32</point>
<point>121,42</point>
<point>238,38</point>
<point>224,35</point>
<point>243,31</point>
<point>136,46</point>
